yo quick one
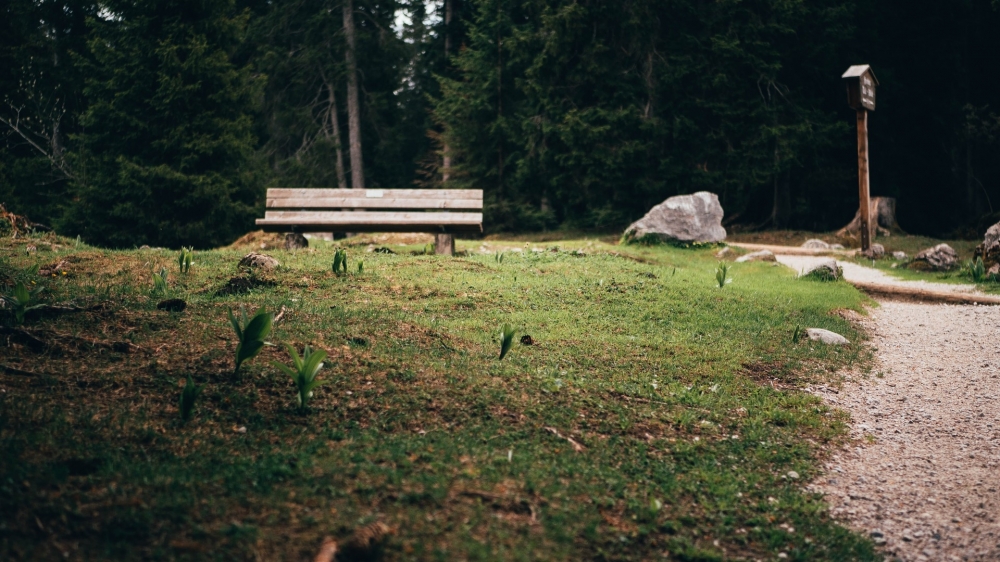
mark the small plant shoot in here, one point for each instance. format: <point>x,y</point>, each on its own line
<point>23,301</point>
<point>160,282</point>
<point>185,259</point>
<point>251,334</point>
<point>340,262</point>
<point>188,397</point>
<point>722,275</point>
<point>303,372</point>
<point>506,338</point>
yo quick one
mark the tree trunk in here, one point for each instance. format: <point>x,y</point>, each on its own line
<point>445,153</point>
<point>353,104</point>
<point>883,213</point>
<point>333,133</point>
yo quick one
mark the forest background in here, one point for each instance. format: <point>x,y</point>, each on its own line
<point>161,122</point>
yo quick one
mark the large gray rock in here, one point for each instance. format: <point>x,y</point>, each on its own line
<point>826,336</point>
<point>763,255</point>
<point>939,258</point>
<point>989,250</point>
<point>684,218</point>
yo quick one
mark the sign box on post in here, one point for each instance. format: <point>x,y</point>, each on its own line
<point>861,83</point>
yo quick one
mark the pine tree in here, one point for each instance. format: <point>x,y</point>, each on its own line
<point>166,156</point>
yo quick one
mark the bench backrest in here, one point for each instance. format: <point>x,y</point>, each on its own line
<point>368,210</point>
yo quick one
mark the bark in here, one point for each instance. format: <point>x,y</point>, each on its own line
<point>883,213</point>
<point>353,103</point>
<point>332,131</point>
<point>445,153</point>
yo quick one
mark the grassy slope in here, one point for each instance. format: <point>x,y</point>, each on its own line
<point>681,393</point>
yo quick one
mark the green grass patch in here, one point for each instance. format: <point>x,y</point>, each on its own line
<point>654,415</point>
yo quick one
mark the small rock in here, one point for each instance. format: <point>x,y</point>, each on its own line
<point>876,252</point>
<point>144,247</point>
<point>826,270</point>
<point>793,475</point>
<point>763,255</point>
<point>262,261</point>
<point>527,340</point>
<point>876,534</point>
<point>295,241</point>
<point>826,336</point>
<point>240,429</point>
<point>899,255</point>
<point>725,253</point>
<point>939,258</point>
<point>816,244</point>
<point>836,246</point>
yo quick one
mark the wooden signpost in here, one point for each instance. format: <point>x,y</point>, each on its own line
<point>861,83</point>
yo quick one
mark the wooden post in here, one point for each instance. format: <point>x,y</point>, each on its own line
<point>863,193</point>
<point>444,244</point>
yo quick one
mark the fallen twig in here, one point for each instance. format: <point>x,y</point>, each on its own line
<point>13,371</point>
<point>25,338</point>
<point>279,315</point>
<point>328,551</point>
<point>576,446</point>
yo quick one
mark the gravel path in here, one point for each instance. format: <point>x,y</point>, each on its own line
<point>922,473</point>
<point>855,272</point>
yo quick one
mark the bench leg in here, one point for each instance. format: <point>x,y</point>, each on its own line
<point>444,244</point>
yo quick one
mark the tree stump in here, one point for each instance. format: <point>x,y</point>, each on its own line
<point>883,214</point>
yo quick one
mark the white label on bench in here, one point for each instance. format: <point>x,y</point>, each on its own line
<point>373,193</point>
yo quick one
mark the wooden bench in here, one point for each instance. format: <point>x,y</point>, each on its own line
<point>440,211</point>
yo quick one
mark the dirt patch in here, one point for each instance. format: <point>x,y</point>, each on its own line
<point>259,240</point>
<point>244,284</point>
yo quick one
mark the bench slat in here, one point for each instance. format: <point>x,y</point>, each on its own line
<point>312,192</point>
<point>370,203</point>
<point>348,221</point>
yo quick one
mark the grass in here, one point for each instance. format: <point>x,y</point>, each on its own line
<point>655,416</point>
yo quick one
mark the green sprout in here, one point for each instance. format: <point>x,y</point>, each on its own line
<point>977,270</point>
<point>797,334</point>
<point>506,338</point>
<point>361,266</point>
<point>498,257</point>
<point>160,282</point>
<point>340,262</point>
<point>428,249</point>
<point>251,334</point>
<point>188,397</point>
<point>304,372</point>
<point>23,300</point>
<point>722,275</point>
<point>184,259</point>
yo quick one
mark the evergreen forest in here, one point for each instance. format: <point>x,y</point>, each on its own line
<point>161,122</point>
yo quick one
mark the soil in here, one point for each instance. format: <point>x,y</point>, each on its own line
<point>922,472</point>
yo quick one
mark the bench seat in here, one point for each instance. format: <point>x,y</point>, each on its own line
<point>442,211</point>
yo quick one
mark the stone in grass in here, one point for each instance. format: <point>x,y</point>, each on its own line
<point>725,253</point>
<point>253,260</point>
<point>826,336</point>
<point>899,255</point>
<point>815,244</point>
<point>989,250</point>
<point>939,258</point>
<point>763,255</point>
<point>682,218</point>
<point>876,252</point>
<point>826,270</point>
<point>295,241</point>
